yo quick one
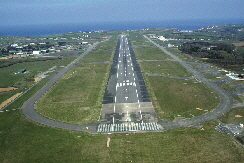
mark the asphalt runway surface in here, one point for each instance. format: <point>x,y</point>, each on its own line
<point>126,103</point>
<point>125,83</point>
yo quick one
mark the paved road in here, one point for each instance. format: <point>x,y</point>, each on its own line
<point>225,99</point>
<point>28,107</point>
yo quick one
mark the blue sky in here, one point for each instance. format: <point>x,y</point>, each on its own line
<point>83,11</point>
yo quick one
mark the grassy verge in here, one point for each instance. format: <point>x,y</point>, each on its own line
<point>228,86</point>
<point>81,87</point>
<point>180,97</point>
<point>102,53</point>
<point>150,53</point>
<point>211,77</point>
<point>165,67</point>
<point>138,40</point>
<point>178,53</point>
<point>239,98</point>
<point>202,70</point>
<point>232,117</point>
<point>145,48</point>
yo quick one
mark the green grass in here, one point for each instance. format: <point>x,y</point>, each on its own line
<point>51,73</point>
<point>6,95</point>
<point>165,67</point>
<point>19,102</point>
<point>227,86</point>
<point>102,53</point>
<point>178,53</point>
<point>138,40</point>
<point>23,141</point>
<point>173,97</point>
<point>8,78</point>
<point>82,86</point>
<point>24,81</point>
<point>239,98</point>
<point>203,70</point>
<point>211,77</point>
<point>150,53</point>
<point>230,118</point>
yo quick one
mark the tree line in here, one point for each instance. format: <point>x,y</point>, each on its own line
<point>216,52</point>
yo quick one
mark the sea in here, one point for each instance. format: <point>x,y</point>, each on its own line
<point>47,28</point>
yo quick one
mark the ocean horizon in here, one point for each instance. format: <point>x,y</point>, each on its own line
<point>47,29</point>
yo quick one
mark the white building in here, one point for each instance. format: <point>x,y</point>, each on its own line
<point>36,52</point>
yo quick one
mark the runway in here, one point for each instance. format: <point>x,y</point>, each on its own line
<point>126,100</point>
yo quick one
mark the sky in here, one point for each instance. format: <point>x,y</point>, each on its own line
<point>23,12</point>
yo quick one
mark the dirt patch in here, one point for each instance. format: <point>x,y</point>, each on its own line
<point>37,79</point>
<point>7,89</point>
<point>9,100</point>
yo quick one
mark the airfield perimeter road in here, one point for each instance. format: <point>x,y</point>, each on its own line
<point>225,99</point>
<point>28,107</point>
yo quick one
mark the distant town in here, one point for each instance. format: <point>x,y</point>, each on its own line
<point>15,47</point>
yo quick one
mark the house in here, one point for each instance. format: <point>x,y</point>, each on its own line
<point>36,52</point>
<point>152,35</point>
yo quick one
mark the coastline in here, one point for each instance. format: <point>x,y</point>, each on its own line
<point>48,28</point>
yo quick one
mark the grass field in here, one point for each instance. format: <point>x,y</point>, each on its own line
<point>239,98</point>
<point>230,117</point>
<point>173,97</point>
<point>8,78</point>
<point>178,53</point>
<point>102,53</point>
<point>165,67</point>
<point>24,81</point>
<point>6,95</point>
<point>83,86</point>
<point>22,141</point>
<point>138,40</point>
